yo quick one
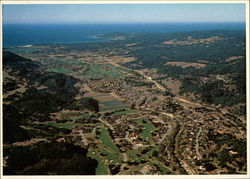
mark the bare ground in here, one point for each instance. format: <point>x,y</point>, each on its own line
<point>172,84</point>
<point>186,64</point>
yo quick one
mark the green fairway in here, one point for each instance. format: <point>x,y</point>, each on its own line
<point>148,129</point>
<point>105,153</point>
<point>106,140</point>
<point>101,169</point>
<point>110,150</point>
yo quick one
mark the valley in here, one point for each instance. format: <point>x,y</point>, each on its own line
<point>140,104</point>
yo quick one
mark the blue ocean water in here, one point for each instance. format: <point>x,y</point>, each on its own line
<point>27,34</point>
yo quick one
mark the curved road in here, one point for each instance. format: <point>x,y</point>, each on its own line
<point>197,144</point>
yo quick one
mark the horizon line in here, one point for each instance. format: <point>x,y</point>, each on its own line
<point>108,23</point>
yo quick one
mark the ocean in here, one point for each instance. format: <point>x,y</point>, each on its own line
<point>31,34</point>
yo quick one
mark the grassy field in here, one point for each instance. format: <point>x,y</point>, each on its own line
<point>109,103</point>
<point>103,71</point>
<point>135,168</point>
<point>101,169</point>
<point>59,70</point>
<point>163,169</point>
<point>148,129</point>
<point>63,65</point>
<point>132,156</point>
<point>106,153</point>
<point>113,108</point>
<point>139,121</point>
<point>106,140</point>
<point>108,148</point>
<point>124,112</point>
<point>112,105</point>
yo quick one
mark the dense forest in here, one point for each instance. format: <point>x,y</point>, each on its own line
<point>55,158</point>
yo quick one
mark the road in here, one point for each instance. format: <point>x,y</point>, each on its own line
<point>189,169</point>
<point>182,100</point>
<point>106,123</point>
<point>125,160</point>
<point>83,138</point>
<point>197,144</point>
<point>160,87</point>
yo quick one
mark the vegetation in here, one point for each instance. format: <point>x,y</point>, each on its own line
<point>123,112</point>
<point>101,169</point>
<point>148,129</point>
<point>12,132</point>
<point>84,103</point>
<point>45,100</point>
<point>63,125</point>
<point>106,140</point>
<point>102,71</point>
<point>49,158</point>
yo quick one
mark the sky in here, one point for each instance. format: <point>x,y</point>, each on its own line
<point>122,13</point>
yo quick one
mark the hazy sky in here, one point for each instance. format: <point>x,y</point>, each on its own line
<point>123,13</point>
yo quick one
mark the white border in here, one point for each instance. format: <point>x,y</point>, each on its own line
<point>246,2</point>
<point>123,2</point>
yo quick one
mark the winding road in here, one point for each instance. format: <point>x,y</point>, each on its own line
<point>106,123</point>
<point>197,144</point>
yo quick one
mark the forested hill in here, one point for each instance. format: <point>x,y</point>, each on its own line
<point>211,64</point>
<point>30,96</point>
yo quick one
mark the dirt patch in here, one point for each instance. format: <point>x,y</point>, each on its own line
<point>115,96</point>
<point>29,142</point>
<point>66,113</point>
<point>173,85</point>
<point>186,64</point>
<point>121,60</point>
<point>203,61</point>
<point>233,58</point>
<point>84,89</point>
<point>130,45</point>
<point>106,98</point>
<point>150,72</point>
